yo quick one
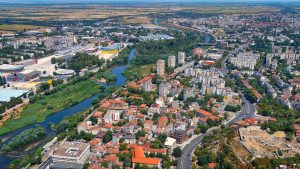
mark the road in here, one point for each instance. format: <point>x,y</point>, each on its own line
<point>248,111</point>
<point>185,161</point>
<point>224,68</point>
<point>45,164</point>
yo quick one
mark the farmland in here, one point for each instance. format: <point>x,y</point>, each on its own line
<point>17,27</point>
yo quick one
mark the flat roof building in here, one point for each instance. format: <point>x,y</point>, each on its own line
<point>74,152</point>
<point>8,93</point>
<point>6,68</point>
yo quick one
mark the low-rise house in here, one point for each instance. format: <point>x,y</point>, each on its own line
<point>112,116</point>
<point>129,139</point>
<point>114,104</point>
<point>179,135</point>
<point>205,114</point>
<point>170,143</point>
<point>148,125</point>
<point>138,157</point>
<point>162,122</point>
<point>84,126</point>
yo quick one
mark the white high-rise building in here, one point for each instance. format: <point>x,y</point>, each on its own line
<point>160,69</point>
<point>172,61</point>
<point>164,89</point>
<point>147,86</point>
<point>181,57</point>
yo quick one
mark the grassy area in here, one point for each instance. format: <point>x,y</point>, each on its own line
<point>39,110</point>
<point>137,72</point>
<point>17,27</point>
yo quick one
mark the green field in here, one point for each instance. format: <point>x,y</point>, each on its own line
<point>17,27</point>
<point>137,72</point>
<point>39,110</point>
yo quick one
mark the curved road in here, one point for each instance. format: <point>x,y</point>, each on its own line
<point>185,161</point>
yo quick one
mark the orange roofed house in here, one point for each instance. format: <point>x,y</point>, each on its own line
<point>114,104</point>
<point>205,114</point>
<point>138,157</point>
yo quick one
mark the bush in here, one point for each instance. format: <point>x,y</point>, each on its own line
<point>26,137</point>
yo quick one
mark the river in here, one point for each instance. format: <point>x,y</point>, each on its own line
<point>58,116</point>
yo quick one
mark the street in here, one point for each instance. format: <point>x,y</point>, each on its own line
<point>248,111</point>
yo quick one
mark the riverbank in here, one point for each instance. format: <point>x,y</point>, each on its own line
<point>57,117</point>
<point>47,105</point>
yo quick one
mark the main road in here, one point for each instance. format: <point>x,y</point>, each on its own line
<point>185,161</point>
<point>248,111</point>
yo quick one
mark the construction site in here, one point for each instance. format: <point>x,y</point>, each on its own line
<point>262,144</point>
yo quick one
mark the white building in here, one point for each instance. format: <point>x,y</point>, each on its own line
<point>160,67</point>
<point>164,89</point>
<point>112,116</point>
<point>74,152</point>
<point>172,61</point>
<point>147,86</point>
<point>244,60</point>
<point>181,57</point>
<point>170,143</point>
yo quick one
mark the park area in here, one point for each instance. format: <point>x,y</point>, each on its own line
<point>49,104</point>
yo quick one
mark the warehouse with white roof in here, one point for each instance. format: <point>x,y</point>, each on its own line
<point>8,93</point>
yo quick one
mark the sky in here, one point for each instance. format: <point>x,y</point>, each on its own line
<point>139,1</point>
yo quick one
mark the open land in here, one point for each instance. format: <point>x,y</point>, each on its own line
<point>70,12</point>
<point>6,28</point>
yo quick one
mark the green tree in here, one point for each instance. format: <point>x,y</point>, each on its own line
<point>107,137</point>
<point>177,152</point>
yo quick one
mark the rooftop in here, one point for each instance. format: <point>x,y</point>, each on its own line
<point>139,157</point>
<point>8,93</point>
<point>7,67</point>
<point>71,149</point>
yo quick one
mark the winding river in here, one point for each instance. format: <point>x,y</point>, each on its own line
<point>58,116</point>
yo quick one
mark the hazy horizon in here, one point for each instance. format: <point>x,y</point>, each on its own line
<point>139,1</point>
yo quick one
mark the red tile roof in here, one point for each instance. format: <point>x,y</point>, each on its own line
<point>95,141</point>
<point>256,94</point>
<point>203,119</point>
<point>211,165</point>
<point>98,114</point>
<point>139,157</point>
<point>134,85</point>
<point>111,158</point>
<point>162,122</point>
<point>107,125</point>
<point>145,79</point>
<point>93,166</point>
<point>142,106</point>
<point>207,114</point>
<point>140,115</point>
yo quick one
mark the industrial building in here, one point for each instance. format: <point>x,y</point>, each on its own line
<point>6,68</point>
<point>8,93</point>
<point>24,76</point>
